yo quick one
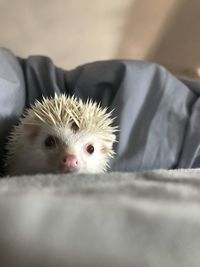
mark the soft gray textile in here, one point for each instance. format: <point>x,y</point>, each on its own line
<point>147,219</point>
<point>12,95</point>
<point>158,115</point>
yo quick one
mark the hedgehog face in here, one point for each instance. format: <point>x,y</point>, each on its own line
<point>61,150</point>
<point>64,150</point>
<point>61,135</point>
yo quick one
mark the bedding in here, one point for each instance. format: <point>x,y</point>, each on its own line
<point>148,219</point>
<point>158,114</point>
<point>141,213</point>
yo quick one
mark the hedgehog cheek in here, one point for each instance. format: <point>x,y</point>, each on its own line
<point>31,130</point>
<point>107,144</point>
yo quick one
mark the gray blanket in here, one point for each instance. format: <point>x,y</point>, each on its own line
<point>149,219</point>
<point>158,114</point>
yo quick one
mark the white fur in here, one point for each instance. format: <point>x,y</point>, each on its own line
<point>27,153</point>
<point>33,157</point>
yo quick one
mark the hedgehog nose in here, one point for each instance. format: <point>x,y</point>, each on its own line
<point>70,163</point>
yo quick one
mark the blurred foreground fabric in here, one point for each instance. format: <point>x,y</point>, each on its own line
<point>149,219</point>
<point>143,219</point>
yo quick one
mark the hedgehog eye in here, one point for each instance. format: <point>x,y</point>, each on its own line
<point>90,149</point>
<point>50,141</point>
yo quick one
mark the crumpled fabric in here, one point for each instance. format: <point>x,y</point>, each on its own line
<point>157,113</point>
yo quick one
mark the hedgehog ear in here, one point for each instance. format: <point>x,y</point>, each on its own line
<point>108,143</point>
<point>31,130</point>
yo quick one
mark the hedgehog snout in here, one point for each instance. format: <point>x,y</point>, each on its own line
<point>70,163</point>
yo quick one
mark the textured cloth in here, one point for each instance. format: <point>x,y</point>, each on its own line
<point>158,115</point>
<point>145,219</point>
<point>149,219</point>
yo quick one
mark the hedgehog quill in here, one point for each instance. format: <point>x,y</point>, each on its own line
<point>61,135</point>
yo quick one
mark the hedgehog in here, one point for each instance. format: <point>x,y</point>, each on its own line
<point>61,134</point>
